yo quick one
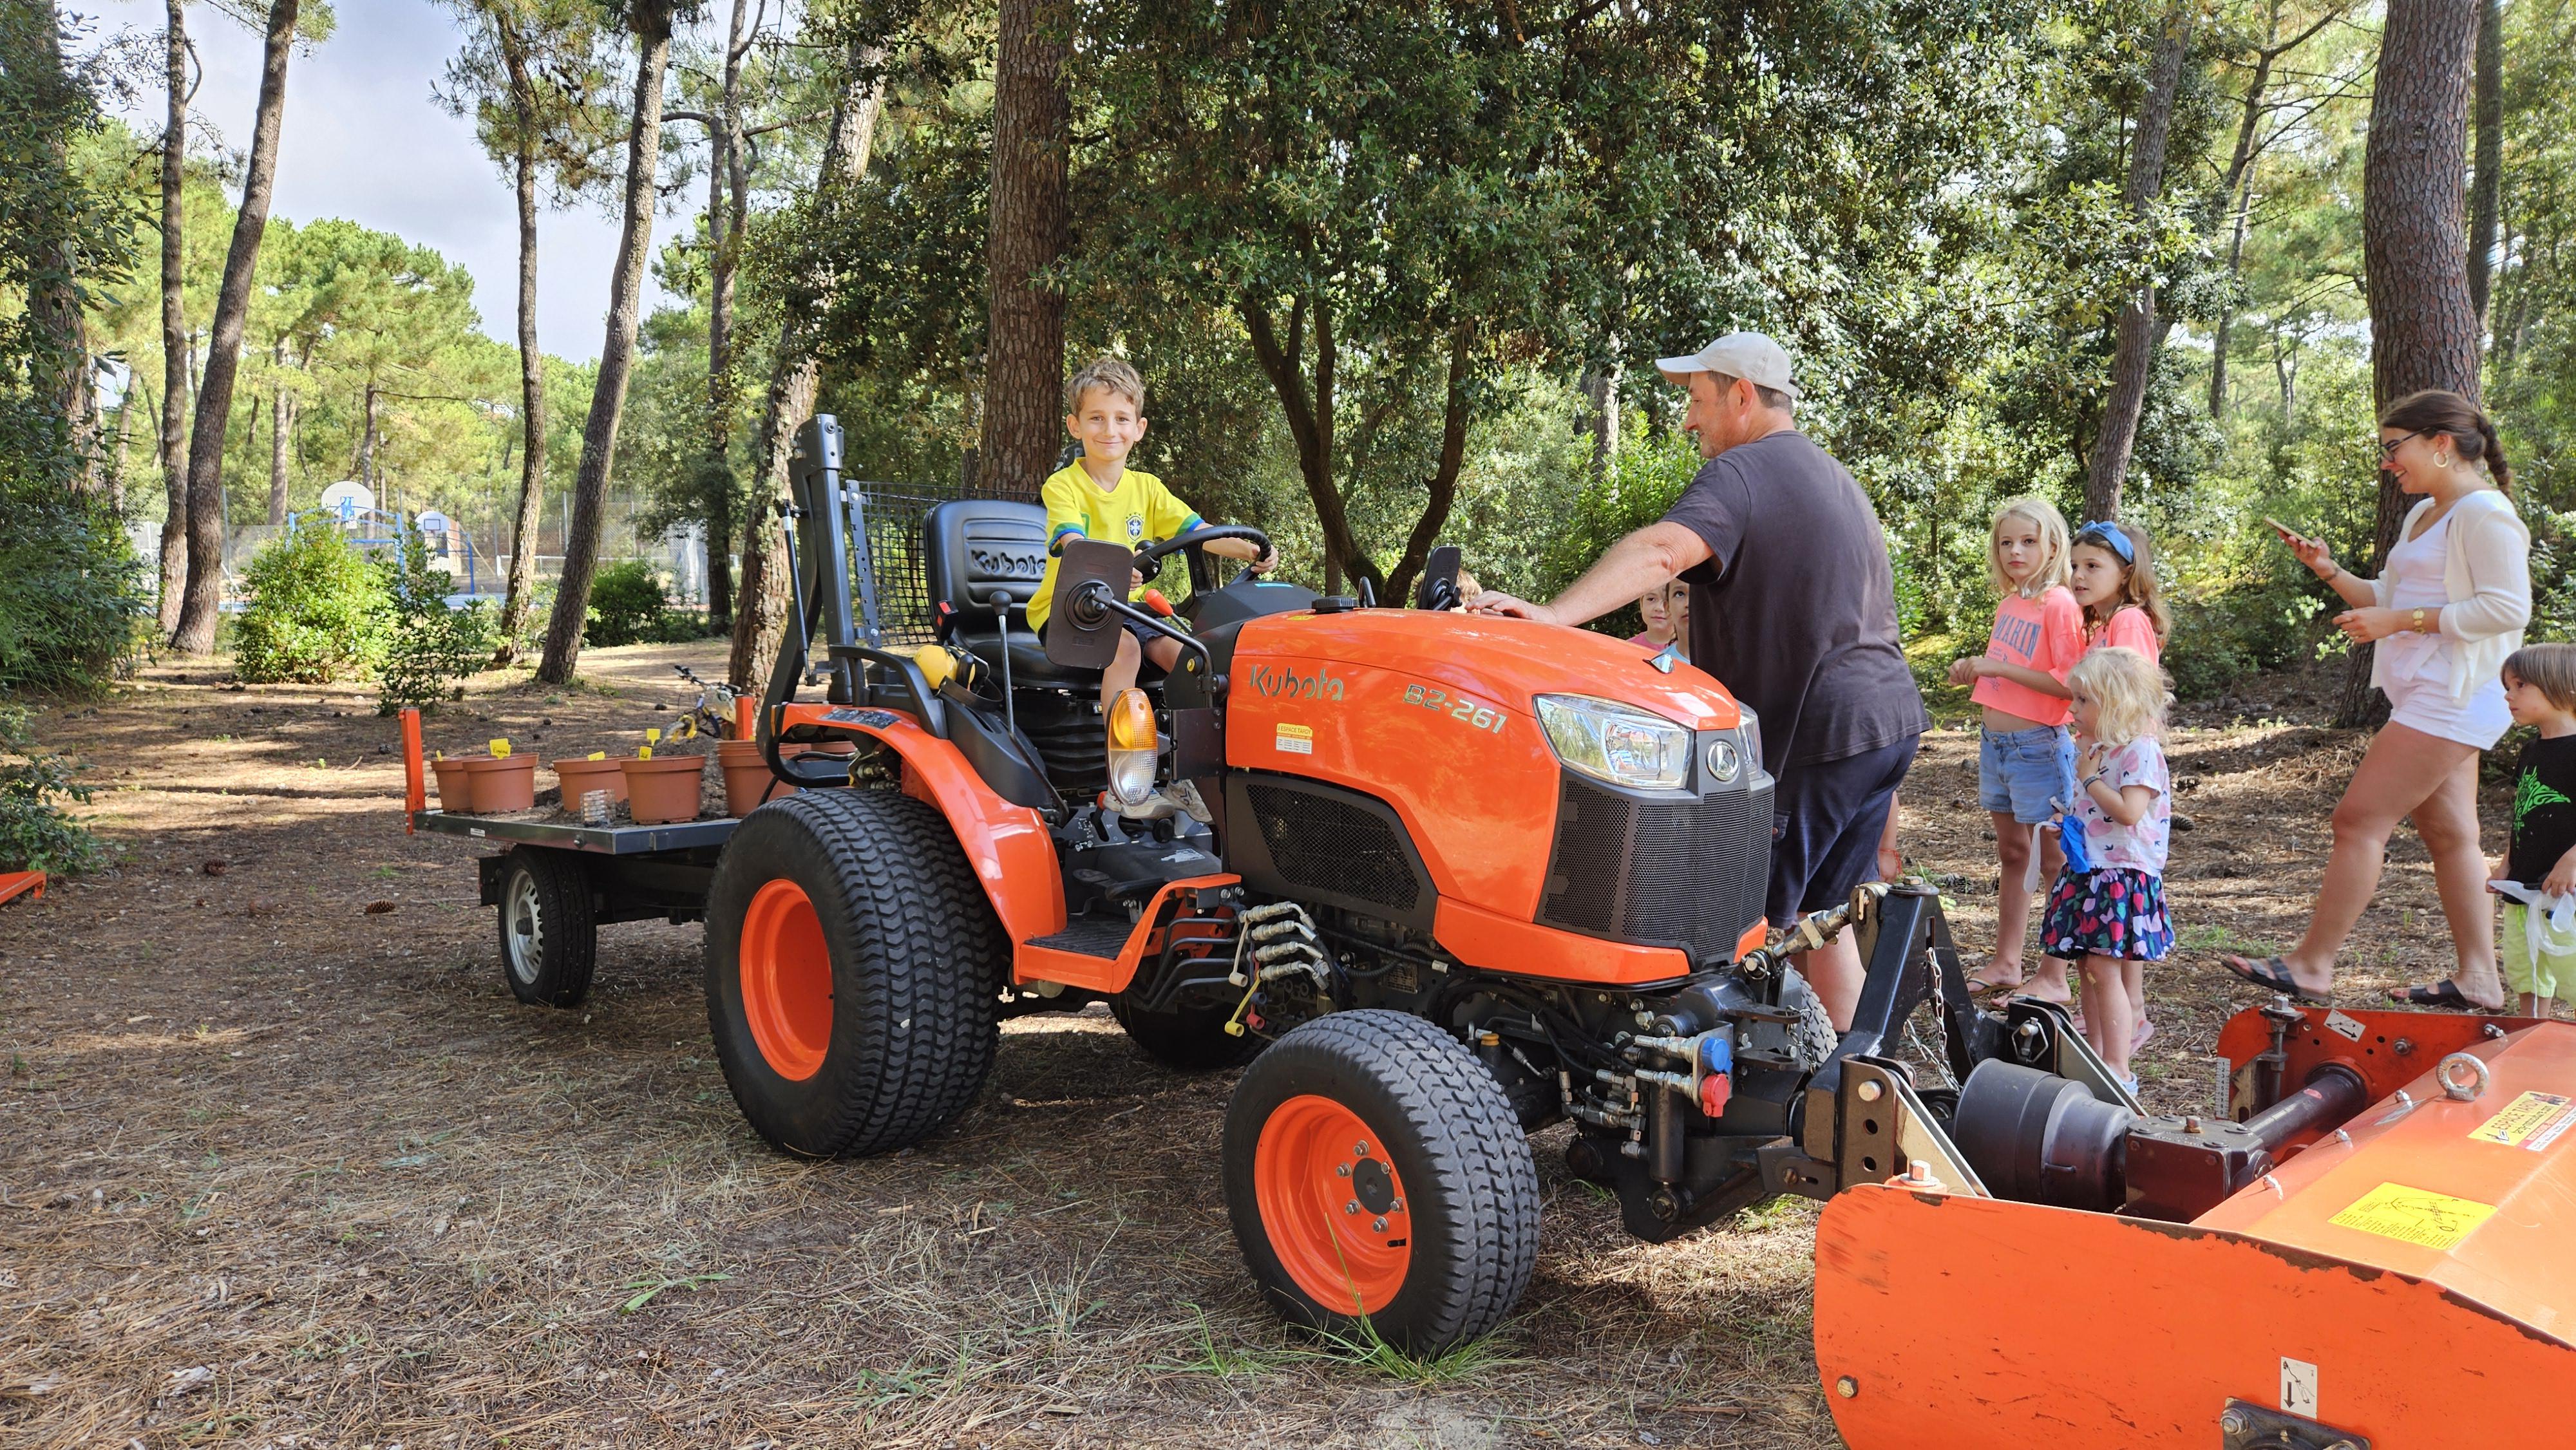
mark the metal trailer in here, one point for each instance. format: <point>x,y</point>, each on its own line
<point>554,885</point>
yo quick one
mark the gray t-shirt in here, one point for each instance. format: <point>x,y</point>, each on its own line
<point>1795,609</point>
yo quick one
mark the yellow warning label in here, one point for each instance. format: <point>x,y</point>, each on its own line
<point>2533,1120</point>
<point>2414,1215</point>
<point>1296,739</point>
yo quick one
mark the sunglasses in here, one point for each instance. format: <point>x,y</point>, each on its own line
<point>2388,446</point>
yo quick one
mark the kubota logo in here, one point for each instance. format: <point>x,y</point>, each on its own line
<point>1290,685</point>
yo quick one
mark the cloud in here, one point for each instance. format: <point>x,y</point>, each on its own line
<point>364,140</point>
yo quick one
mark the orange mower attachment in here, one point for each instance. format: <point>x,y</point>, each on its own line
<point>2372,1252</point>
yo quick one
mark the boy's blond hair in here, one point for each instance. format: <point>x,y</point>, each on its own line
<point>2548,668</point>
<point>2127,690</point>
<point>2052,546</point>
<point>1111,373</point>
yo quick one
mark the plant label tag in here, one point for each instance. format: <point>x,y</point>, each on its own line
<point>2298,1388</point>
<point>500,749</point>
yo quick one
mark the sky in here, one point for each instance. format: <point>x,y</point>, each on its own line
<point>364,140</point>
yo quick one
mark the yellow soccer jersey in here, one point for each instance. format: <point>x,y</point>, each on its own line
<point>1137,512</point>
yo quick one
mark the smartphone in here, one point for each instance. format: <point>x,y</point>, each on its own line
<point>2284,530</point>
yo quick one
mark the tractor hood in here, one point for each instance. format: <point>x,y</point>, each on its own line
<point>1494,661</point>
<point>1433,717</point>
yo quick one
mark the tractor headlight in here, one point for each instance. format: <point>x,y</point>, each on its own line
<point>1751,731</point>
<point>1133,746</point>
<point>1617,743</point>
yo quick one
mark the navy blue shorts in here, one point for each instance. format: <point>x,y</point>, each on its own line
<point>1826,819</point>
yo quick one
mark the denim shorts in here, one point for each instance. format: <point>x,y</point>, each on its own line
<point>2021,771</point>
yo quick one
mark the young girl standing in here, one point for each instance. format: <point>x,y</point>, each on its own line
<point>2109,909</point>
<point>2111,572</point>
<point>2025,759</point>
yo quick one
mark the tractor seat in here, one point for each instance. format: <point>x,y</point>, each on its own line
<point>972,546</point>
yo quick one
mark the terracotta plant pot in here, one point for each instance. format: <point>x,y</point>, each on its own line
<point>579,776</point>
<point>453,793</point>
<point>747,781</point>
<point>497,787</point>
<point>664,788</point>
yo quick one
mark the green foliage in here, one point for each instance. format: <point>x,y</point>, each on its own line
<point>316,609</point>
<point>36,833</point>
<point>429,648</point>
<point>69,584</point>
<point>627,604</point>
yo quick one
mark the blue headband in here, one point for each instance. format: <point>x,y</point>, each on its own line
<point>2111,537</point>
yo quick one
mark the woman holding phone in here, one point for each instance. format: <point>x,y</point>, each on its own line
<point>2448,606</point>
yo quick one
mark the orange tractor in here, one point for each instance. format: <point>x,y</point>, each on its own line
<point>1459,878</point>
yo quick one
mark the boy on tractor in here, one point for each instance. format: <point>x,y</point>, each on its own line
<point>1097,496</point>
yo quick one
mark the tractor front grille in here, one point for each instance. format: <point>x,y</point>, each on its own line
<point>1660,871</point>
<point>1319,843</point>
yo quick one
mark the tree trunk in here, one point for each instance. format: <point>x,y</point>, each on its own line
<point>367,446</point>
<point>1024,338</point>
<point>2423,332</point>
<point>281,418</point>
<point>652,21</point>
<point>2487,177</point>
<point>1601,420</point>
<point>2133,356</point>
<point>760,617</point>
<point>1309,407</point>
<point>532,379</point>
<point>725,222</point>
<point>196,631</point>
<point>1443,489</point>
<point>175,342</point>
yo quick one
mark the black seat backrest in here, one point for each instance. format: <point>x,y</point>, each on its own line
<point>972,546</point>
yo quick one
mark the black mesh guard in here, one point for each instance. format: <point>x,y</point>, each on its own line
<point>1665,871</point>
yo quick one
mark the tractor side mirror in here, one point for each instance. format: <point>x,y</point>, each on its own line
<point>1082,632</point>
<point>1439,586</point>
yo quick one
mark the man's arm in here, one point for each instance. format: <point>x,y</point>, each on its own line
<point>1646,559</point>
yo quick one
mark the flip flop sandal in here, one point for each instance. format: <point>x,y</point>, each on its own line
<point>1980,987</point>
<point>2445,994</point>
<point>2273,974</point>
<point>2146,1030</point>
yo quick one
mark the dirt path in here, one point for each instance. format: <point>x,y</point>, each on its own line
<point>281,1161</point>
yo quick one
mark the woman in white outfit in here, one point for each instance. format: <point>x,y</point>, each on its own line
<point>2448,606</point>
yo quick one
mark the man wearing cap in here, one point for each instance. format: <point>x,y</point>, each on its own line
<point>1793,607</point>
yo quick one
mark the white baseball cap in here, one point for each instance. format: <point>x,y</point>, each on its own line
<point>1747,355</point>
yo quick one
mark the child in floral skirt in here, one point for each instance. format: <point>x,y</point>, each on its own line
<point>2109,906</point>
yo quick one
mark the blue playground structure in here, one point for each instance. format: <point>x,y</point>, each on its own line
<point>372,530</point>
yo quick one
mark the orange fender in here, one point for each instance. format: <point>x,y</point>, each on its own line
<point>1007,845</point>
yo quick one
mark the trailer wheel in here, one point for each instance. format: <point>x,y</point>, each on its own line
<point>1379,1182</point>
<point>549,941</point>
<point>1191,1039</point>
<point>852,969</point>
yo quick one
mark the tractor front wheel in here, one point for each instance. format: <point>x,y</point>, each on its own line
<point>853,964</point>
<point>1379,1182</point>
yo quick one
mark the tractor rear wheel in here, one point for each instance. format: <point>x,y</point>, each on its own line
<point>549,940</point>
<point>853,964</point>
<point>1188,1039</point>
<point>1379,1182</point>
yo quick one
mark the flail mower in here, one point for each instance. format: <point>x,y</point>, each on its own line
<point>1462,877</point>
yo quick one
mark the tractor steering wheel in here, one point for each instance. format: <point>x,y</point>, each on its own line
<point>1149,559</point>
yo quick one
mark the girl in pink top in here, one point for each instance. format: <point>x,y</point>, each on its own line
<point>2025,758</point>
<point>2111,572</point>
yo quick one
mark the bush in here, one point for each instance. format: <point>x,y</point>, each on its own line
<point>69,583</point>
<point>35,833</point>
<point>626,604</point>
<point>429,647</point>
<point>315,610</point>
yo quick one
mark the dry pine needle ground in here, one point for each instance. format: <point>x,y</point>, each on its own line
<point>279,1169</point>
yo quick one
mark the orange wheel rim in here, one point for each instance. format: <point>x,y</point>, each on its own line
<point>787,980</point>
<point>1332,1205</point>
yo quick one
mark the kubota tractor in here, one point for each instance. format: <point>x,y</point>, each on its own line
<point>1468,876</point>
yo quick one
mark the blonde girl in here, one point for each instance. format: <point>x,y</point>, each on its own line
<point>2108,908</point>
<point>1666,612</point>
<point>2025,759</point>
<point>2112,574</point>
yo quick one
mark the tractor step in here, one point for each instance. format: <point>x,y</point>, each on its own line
<point>1091,936</point>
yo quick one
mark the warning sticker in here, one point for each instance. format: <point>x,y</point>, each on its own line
<point>2533,1121</point>
<point>2414,1215</point>
<point>1296,740</point>
<point>2344,1027</point>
